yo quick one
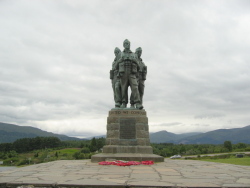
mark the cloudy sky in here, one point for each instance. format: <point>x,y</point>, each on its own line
<point>55,57</point>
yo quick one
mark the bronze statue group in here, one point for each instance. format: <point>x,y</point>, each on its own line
<point>128,70</point>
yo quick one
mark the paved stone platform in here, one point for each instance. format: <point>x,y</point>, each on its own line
<point>83,173</point>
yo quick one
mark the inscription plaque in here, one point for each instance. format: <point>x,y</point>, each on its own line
<point>127,112</point>
<point>127,129</point>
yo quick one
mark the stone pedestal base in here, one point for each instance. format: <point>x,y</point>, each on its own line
<point>127,137</point>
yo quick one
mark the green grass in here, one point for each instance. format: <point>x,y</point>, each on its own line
<point>237,161</point>
<point>68,150</point>
<point>47,155</point>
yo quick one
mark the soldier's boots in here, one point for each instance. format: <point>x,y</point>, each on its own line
<point>123,105</point>
<point>117,105</point>
<point>139,106</point>
<point>132,106</point>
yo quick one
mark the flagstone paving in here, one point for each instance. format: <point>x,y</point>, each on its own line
<point>83,173</point>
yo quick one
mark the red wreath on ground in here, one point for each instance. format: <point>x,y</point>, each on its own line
<point>126,163</point>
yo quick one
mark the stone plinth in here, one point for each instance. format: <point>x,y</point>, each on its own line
<point>127,137</point>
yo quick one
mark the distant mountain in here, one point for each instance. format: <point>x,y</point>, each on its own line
<point>10,133</point>
<point>168,137</point>
<point>235,135</point>
<point>161,137</point>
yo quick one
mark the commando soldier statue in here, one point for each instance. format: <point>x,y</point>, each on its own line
<point>127,135</point>
<point>127,66</point>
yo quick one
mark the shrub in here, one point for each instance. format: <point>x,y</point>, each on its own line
<point>12,154</point>
<point>78,155</point>
<point>22,162</point>
<point>10,161</point>
<point>247,149</point>
<point>85,150</point>
<point>239,150</point>
<point>36,154</point>
<point>226,156</point>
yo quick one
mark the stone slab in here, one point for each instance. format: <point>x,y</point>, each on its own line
<point>126,157</point>
<point>127,149</point>
<point>84,174</point>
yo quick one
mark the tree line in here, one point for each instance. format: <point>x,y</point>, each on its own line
<point>29,144</point>
<point>169,149</point>
<point>95,144</point>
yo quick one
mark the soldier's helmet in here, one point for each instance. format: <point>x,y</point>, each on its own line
<point>138,49</point>
<point>117,50</point>
<point>126,41</point>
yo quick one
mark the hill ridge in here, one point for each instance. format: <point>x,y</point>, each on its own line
<point>11,132</point>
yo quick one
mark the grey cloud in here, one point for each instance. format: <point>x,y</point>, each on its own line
<point>201,125</point>
<point>170,124</point>
<point>55,58</point>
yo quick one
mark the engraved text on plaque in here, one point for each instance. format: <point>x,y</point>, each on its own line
<point>127,129</point>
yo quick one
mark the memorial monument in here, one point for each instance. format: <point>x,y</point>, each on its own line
<point>127,128</point>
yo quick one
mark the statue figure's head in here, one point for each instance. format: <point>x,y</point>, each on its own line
<point>117,51</point>
<point>138,51</point>
<point>126,44</point>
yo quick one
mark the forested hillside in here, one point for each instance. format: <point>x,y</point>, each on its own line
<point>236,135</point>
<point>168,137</point>
<point>10,133</point>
